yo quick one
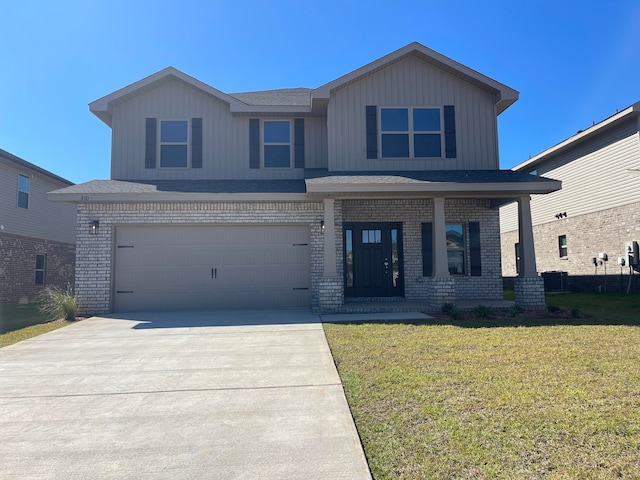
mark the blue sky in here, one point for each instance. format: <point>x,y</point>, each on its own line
<point>573,62</point>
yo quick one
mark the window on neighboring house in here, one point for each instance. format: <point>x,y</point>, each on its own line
<point>23,191</point>
<point>41,264</point>
<point>455,248</point>
<point>411,132</point>
<point>562,246</point>
<point>277,143</point>
<point>174,142</point>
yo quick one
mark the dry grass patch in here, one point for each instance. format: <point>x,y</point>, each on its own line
<point>446,401</point>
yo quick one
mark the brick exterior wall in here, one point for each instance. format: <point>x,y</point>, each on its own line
<point>18,262</point>
<point>412,213</point>
<point>95,252</point>
<point>587,236</point>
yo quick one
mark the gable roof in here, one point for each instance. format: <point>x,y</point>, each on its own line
<point>505,96</point>
<point>610,122</point>
<point>255,101</point>
<point>11,158</point>
<point>303,100</point>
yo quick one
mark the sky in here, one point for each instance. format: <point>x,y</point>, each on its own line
<point>573,62</point>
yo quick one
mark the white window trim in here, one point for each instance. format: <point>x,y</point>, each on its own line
<point>161,143</point>
<point>411,132</point>
<point>19,190</point>
<point>264,144</point>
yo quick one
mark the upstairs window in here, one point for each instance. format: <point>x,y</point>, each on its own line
<point>411,132</point>
<point>277,144</point>
<point>174,142</point>
<point>23,191</point>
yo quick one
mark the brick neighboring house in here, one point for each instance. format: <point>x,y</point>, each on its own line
<point>380,186</point>
<point>597,210</point>
<point>37,236</point>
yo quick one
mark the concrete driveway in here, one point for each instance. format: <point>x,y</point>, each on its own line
<point>216,395</point>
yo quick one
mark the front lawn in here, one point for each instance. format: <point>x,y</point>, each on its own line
<point>554,399</point>
<point>17,316</point>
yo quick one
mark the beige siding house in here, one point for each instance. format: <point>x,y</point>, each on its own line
<point>597,211</point>
<point>380,188</point>
<point>37,236</point>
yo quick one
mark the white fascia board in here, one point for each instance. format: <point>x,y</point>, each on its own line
<point>489,189</point>
<point>505,97</point>
<point>175,197</point>
<point>594,129</point>
<point>279,109</point>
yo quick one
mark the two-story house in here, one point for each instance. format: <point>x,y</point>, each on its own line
<point>383,184</point>
<point>37,236</point>
<point>596,212</point>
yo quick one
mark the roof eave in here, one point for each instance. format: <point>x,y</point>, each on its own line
<point>61,197</point>
<point>594,129</point>
<point>493,190</point>
<point>505,95</point>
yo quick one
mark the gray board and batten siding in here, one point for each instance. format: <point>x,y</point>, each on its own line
<point>225,136</point>
<point>594,174</point>
<point>43,218</point>
<point>402,84</point>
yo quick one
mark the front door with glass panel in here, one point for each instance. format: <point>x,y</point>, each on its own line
<point>373,260</point>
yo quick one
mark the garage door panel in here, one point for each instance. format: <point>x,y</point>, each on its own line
<point>196,267</point>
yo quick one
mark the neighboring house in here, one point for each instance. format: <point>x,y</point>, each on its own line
<point>37,236</point>
<point>597,210</point>
<point>380,185</point>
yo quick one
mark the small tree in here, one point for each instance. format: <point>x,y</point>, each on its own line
<point>59,303</point>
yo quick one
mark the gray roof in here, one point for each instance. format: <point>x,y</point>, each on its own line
<point>186,186</point>
<point>433,176</point>
<point>24,164</point>
<point>284,97</point>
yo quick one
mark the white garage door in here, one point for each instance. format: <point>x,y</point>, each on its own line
<point>203,267</point>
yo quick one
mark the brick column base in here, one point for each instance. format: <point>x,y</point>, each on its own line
<point>330,294</point>
<point>440,290</point>
<point>529,293</point>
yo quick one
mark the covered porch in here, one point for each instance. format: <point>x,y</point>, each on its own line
<point>421,209</point>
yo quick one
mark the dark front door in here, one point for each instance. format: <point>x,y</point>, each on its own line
<point>373,259</point>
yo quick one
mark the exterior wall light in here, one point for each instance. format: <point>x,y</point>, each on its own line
<point>322,226</point>
<point>94,226</point>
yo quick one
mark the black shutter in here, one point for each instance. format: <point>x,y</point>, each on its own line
<point>427,249</point>
<point>150,143</point>
<point>254,143</point>
<point>450,131</point>
<point>475,258</point>
<point>372,131</point>
<point>298,134</point>
<point>196,143</point>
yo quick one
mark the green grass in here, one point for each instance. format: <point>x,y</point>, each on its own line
<point>14,316</point>
<point>19,322</point>
<point>559,399</point>
<point>16,336</point>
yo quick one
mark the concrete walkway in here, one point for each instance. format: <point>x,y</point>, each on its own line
<point>223,395</point>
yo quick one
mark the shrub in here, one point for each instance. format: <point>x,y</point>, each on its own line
<point>59,303</point>
<point>482,311</point>
<point>448,308</point>
<point>515,311</point>
<point>575,311</point>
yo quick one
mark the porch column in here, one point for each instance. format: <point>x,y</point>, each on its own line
<point>441,286</point>
<point>330,290</point>
<point>329,238</point>
<point>525,230</point>
<point>528,287</point>
<point>440,260</point>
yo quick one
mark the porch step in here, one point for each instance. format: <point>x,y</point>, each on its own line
<point>382,307</point>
